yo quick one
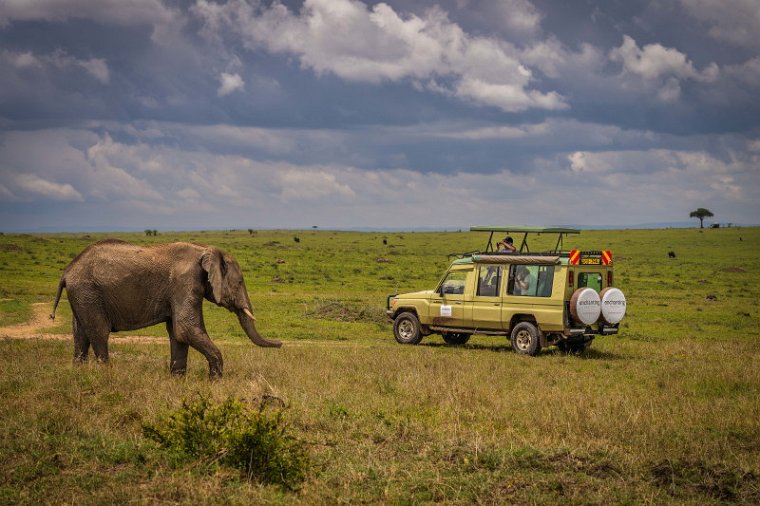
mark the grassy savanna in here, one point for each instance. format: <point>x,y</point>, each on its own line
<point>666,412</point>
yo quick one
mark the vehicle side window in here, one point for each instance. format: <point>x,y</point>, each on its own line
<point>488,281</point>
<point>454,283</point>
<point>531,280</point>
<point>591,280</point>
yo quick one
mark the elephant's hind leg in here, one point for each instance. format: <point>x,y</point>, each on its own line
<point>100,346</point>
<point>178,365</point>
<point>96,329</point>
<point>91,326</point>
<point>81,341</point>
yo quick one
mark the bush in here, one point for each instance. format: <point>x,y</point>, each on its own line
<point>234,435</point>
<point>338,311</point>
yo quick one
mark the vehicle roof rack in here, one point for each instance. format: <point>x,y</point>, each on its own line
<point>516,229</point>
<point>463,255</point>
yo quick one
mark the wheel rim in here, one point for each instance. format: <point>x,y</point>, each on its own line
<point>406,329</point>
<point>523,340</point>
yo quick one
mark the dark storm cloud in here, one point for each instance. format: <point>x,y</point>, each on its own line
<point>201,112</point>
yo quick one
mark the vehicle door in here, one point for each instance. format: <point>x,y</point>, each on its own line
<point>447,303</point>
<point>528,291</point>
<point>486,304</point>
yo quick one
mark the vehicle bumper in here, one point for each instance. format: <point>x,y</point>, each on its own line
<point>603,330</point>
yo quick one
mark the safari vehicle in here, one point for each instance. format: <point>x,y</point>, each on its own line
<point>556,297</point>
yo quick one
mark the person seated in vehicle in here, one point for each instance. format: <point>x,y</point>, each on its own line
<point>524,282</point>
<point>506,245</point>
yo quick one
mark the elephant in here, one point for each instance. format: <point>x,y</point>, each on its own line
<point>113,285</point>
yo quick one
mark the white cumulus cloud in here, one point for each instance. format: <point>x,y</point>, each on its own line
<point>229,83</point>
<point>38,186</point>
<point>358,43</point>
<point>659,66</point>
<point>734,21</point>
<point>96,67</point>
<point>110,11</point>
<point>302,185</point>
<point>655,60</point>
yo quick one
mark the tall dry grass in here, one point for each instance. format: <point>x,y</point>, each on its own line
<point>665,413</point>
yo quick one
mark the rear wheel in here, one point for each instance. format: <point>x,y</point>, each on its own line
<point>456,338</point>
<point>406,329</point>
<point>526,339</point>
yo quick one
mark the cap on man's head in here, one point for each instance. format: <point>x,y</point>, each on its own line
<point>508,239</point>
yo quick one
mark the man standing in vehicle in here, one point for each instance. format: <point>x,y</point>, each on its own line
<point>506,245</point>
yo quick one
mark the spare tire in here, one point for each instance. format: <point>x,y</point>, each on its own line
<point>613,305</point>
<point>585,305</point>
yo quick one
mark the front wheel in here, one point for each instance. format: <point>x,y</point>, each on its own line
<point>526,339</point>
<point>406,329</point>
<point>455,338</point>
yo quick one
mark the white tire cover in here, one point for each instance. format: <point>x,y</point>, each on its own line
<point>585,305</point>
<point>613,305</point>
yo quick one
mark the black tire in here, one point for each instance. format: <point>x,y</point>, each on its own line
<point>456,338</point>
<point>406,329</point>
<point>526,339</point>
<point>573,348</point>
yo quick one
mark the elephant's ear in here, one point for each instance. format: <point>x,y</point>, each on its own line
<point>212,262</point>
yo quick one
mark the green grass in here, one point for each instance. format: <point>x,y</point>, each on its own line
<point>666,412</point>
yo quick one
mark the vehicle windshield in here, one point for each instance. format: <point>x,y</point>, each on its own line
<point>454,282</point>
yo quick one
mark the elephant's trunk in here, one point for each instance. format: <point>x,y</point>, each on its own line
<point>246,320</point>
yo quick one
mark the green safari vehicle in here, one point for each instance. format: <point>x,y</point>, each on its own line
<point>559,297</point>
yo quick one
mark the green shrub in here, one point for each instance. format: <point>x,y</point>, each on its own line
<point>235,435</point>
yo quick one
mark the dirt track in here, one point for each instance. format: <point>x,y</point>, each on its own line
<point>35,328</point>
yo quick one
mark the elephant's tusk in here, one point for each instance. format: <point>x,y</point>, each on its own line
<point>249,314</point>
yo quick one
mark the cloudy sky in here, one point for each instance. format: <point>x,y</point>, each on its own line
<point>174,114</point>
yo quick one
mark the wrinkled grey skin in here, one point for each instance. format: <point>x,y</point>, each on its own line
<point>116,286</point>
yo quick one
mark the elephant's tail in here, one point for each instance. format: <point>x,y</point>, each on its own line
<point>61,285</point>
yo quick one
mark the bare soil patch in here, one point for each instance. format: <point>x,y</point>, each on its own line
<point>40,321</point>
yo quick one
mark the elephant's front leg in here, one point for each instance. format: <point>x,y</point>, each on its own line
<point>197,337</point>
<point>178,365</point>
<point>201,342</point>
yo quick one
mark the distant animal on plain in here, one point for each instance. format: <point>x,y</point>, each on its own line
<point>671,254</point>
<point>297,239</point>
<point>385,241</point>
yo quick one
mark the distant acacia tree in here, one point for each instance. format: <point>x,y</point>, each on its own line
<point>701,213</point>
